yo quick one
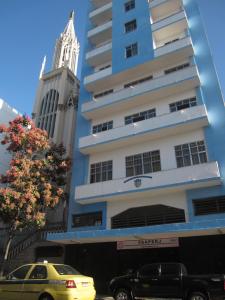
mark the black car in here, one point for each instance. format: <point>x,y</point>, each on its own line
<point>167,280</point>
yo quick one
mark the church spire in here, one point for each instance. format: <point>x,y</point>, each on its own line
<point>67,48</point>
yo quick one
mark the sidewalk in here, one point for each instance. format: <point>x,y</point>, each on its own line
<point>103,297</point>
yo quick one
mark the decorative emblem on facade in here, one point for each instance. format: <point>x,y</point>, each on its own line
<point>137,180</point>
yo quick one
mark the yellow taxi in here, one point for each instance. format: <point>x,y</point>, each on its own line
<point>46,281</point>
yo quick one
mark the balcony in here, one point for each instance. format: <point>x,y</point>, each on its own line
<point>101,33</point>
<point>169,20</point>
<point>100,55</point>
<point>179,179</point>
<point>101,15</point>
<point>174,46</point>
<point>161,9</point>
<point>141,94</point>
<point>169,28</point>
<point>99,3</point>
<point>98,75</point>
<point>136,133</point>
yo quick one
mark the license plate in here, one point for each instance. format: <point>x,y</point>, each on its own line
<point>85,284</point>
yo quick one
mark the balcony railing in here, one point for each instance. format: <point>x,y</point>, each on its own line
<point>164,125</point>
<point>196,176</point>
<point>174,46</point>
<point>176,17</point>
<point>161,86</point>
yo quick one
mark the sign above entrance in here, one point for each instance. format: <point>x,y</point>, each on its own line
<point>151,243</point>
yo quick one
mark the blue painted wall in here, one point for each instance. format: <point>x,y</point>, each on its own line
<point>142,35</point>
<point>80,166</point>
<point>211,96</point>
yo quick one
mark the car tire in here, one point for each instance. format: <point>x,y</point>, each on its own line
<point>197,296</point>
<point>122,294</point>
<point>46,297</point>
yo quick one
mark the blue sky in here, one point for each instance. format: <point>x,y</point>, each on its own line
<point>29,28</point>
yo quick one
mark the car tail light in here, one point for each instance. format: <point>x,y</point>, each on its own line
<point>70,284</point>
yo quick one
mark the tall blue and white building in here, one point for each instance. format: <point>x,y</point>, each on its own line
<point>148,180</point>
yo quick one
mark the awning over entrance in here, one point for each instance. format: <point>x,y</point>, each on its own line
<point>198,228</point>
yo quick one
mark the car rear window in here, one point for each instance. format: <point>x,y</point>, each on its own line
<point>65,270</point>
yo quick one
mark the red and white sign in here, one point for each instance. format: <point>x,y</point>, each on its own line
<point>150,243</point>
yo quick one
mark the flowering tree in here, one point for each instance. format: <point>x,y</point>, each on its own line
<point>35,178</point>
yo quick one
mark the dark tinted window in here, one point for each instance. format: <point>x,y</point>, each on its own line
<point>65,270</point>
<point>39,272</point>
<point>20,273</point>
<point>170,269</point>
<point>149,270</point>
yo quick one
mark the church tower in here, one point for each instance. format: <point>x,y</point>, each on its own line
<point>57,95</point>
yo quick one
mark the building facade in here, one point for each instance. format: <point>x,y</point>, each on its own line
<point>56,101</point>
<point>57,95</point>
<point>7,114</point>
<point>148,180</point>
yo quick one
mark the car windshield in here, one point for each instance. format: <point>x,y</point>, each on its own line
<point>65,270</point>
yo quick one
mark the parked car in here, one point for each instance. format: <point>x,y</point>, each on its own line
<point>46,281</point>
<point>167,280</point>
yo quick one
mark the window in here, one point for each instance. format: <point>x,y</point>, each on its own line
<point>131,50</point>
<point>105,67</point>
<point>129,5</point>
<point>177,68</point>
<point>170,269</point>
<point>101,171</point>
<point>190,154</point>
<point>143,163</point>
<point>19,273</point>
<point>144,115</point>
<point>149,270</point>
<point>136,82</point>
<point>186,103</point>
<point>207,206</point>
<point>65,270</point>
<point>172,41</point>
<point>88,219</point>
<point>103,94</point>
<point>102,127</point>
<point>148,216</point>
<point>47,115</point>
<point>130,26</point>
<point>39,272</point>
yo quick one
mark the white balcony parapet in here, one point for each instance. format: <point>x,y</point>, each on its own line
<point>154,3</point>
<point>98,75</point>
<point>99,29</point>
<point>99,3</point>
<point>147,87</point>
<point>99,50</point>
<point>169,20</point>
<point>185,178</point>
<point>174,46</point>
<point>100,10</point>
<point>147,129</point>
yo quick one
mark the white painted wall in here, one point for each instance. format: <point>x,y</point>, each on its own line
<point>177,200</point>
<point>161,106</point>
<point>7,114</point>
<point>165,145</point>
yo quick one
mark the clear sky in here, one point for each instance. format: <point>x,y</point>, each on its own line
<point>29,28</point>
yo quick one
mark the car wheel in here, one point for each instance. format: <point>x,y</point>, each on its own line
<point>46,297</point>
<point>123,294</point>
<point>197,296</point>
